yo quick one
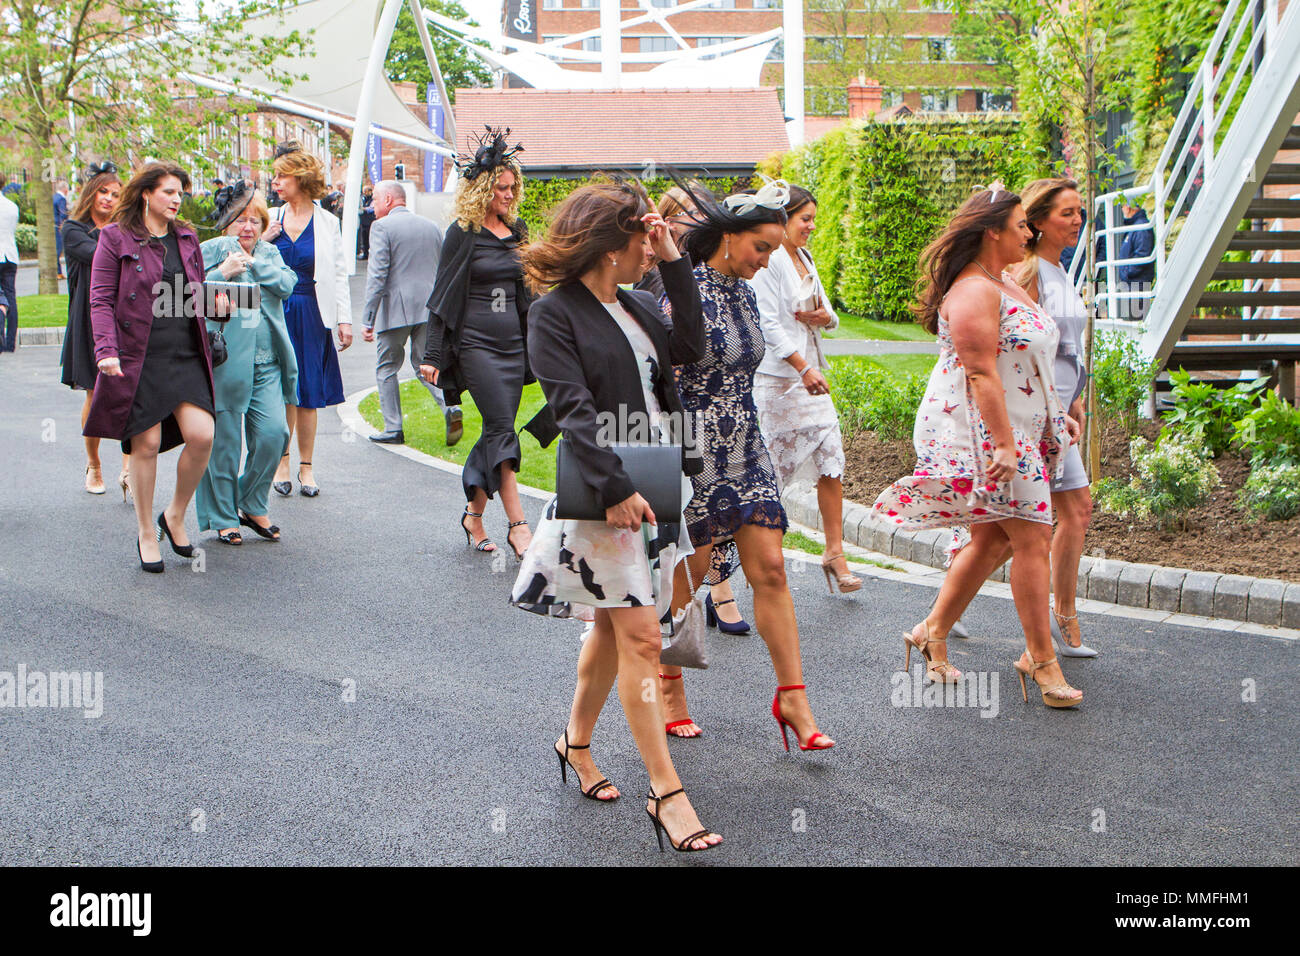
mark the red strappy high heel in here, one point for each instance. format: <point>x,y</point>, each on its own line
<point>783,723</point>
<point>668,728</point>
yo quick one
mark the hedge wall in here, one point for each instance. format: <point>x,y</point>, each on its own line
<point>884,189</point>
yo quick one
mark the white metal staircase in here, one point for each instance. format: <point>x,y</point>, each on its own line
<point>1239,112</point>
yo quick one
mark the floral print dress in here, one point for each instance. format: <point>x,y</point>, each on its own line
<point>954,446</point>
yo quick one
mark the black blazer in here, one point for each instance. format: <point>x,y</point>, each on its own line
<point>586,367</point>
<point>449,301</point>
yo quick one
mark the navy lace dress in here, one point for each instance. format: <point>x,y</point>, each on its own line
<point>738,484</point>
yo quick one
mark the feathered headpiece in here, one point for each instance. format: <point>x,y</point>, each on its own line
<point>287,147</point>
<point>492,152</point>
<point>229,201</point>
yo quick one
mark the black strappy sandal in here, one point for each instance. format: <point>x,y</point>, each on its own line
<point>270,532</point>
<point>595,788</point>
<point>519,555</point>
<point>230,537</point>
<point>484,544</point>
<point>682,846</point>
<point>307,491</point>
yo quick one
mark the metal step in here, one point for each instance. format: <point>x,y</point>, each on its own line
<point>1229,326</point>
<point>1282,174</point>
<point>1256,240</point>
<point>1248,299</point>
<point>1203,356</point>
<point>1292,139</point>
<point>1257,270</point>
<point>1273,209</point>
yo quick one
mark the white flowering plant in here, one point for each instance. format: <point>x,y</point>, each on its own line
<point>1172,477</point>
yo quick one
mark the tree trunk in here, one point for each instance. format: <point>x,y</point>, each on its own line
<point>41,190</point>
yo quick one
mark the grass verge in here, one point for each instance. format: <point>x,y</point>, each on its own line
<point>42,311</point>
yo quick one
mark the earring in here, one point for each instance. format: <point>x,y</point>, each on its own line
<point>726,252</point>
<point>615,262</point>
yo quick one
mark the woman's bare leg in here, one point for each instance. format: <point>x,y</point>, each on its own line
<point>197,427</point>
<point>636,633</point>
<point>144,473</point>
<point>597,668</point>
<point>1073,515</point>
<point>764,565</point>
<point>290,416</point>
<point>514,508</point>
<point>307,420</point>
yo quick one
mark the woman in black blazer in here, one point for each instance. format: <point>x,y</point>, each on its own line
<point>604,356</point>
<point>478,338</point>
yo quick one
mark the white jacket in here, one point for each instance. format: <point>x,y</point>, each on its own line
<point>777,289</point>
<point>333,297</point>
<point>8,230</point>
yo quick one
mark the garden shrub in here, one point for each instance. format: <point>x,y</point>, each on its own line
<point>1172,476</point>
<point>1210,414</point>
<point>1272,491</point>
<point>1269,431</point>
<point>25,236</point>
<point>869,398</point>
<point>1121,376</point>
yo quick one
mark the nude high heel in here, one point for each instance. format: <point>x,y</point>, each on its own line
<point>94,480</point>
<point>1055,696</point>
<point>941,672</point>
<point>847,582</point>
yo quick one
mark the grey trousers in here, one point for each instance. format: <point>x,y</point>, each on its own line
<point>390,348</point>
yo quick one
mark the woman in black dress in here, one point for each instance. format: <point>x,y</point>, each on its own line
<point>80,236</point>
<point>477,332</point>
<point>155,385</point>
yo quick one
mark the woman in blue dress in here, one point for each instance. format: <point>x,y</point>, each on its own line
<point>310,243</point>
<point>736,507</point>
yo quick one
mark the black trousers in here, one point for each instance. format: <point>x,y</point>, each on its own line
<point>8,275</point>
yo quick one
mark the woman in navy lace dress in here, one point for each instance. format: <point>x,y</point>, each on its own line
<point>736,507</point>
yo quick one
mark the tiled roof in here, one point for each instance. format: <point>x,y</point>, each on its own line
<point>629,128</point>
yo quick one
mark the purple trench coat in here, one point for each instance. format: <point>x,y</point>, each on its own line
<point>123,276</point>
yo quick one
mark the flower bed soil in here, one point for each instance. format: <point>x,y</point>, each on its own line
<point>1218,537</point>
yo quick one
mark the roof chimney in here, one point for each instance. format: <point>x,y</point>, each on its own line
<point>866,97</point>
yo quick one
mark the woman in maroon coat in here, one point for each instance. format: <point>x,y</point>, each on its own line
<point>151,347</point>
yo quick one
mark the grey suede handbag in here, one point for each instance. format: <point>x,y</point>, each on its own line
<point>685,647</point>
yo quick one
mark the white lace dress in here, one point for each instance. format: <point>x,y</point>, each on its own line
<point>574,566</point>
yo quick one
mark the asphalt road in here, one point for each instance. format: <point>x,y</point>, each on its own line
<point>226,738</point>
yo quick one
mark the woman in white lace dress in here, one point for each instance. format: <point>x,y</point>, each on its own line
<point>800,426</point>
<point>990,434</point>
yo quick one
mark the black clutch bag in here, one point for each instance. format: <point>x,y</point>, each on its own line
<point>655,471</point>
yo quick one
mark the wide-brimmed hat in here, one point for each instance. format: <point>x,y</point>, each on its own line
<point>229,201</point>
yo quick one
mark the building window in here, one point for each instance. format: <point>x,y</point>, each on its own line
<point>720,5</point>
<point>767,4</point>
<point>825,50</point>
<point>657,44</point>
<point>552,4</point>
<point>826,101</point>
<point>653,3</point>
<point>986,101</point>
<point>595,4</point>
<point>591,44</point>
<point>939,101</point>
<point>940,49</point>
<point>711,41</point>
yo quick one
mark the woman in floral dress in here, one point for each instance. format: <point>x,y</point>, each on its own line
<point>989,434</point>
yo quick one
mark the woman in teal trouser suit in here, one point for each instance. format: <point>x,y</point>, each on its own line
<point>258,379</point>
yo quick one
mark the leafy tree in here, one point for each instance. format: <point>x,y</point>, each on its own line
<point>406,62</point>
<point>846,37</point>
<point>103,75</point>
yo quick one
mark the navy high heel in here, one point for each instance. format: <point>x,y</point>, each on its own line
<point>726,627</point>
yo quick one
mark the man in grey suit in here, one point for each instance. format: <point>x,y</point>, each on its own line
<point>404,251</point>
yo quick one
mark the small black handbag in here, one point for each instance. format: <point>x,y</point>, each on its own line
<point>217,347</point>
<point>655,472</point>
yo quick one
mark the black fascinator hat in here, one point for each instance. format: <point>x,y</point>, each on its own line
<point>287,147</point>
<point>229,201</point>
<point>491,152</point>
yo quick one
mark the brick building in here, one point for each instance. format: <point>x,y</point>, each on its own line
<point>929,78</point>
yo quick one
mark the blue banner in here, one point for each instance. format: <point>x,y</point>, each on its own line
<point>433,168</point>
<point>375,158</point>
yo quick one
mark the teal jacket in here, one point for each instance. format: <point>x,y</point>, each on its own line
<point>233,380</point>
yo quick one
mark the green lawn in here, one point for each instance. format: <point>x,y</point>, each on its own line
<point>42,311</point>
<point>900,366</point>
<point>425,430</point>
<point>856,327</point>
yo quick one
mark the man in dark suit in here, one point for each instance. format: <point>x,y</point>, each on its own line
<point>405,249</point>
<point>60,217</point>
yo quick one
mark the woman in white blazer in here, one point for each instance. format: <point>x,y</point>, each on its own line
<point>311,243</point>
<point>796,414</point>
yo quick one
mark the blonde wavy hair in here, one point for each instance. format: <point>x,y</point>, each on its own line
<point>474,195</point>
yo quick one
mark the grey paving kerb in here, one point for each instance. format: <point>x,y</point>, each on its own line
<point>1231,597</point>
